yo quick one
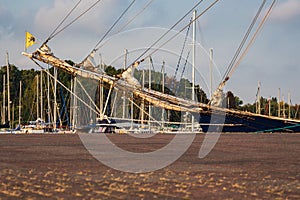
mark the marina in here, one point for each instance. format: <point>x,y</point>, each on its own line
<point>139,95</point>
<point>150,110</point>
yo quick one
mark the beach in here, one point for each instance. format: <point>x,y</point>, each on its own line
<point>241,166</point>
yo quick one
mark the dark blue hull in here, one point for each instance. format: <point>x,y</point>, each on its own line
<point>244,122</point>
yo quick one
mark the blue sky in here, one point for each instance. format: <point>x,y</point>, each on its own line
<point>273,59</point>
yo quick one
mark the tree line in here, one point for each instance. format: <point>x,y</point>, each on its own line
<point>182,88</point>
<point>29,80</point>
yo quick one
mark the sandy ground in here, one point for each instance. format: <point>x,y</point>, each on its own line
<point>241,166</point>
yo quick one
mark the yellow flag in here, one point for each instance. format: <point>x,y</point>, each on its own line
<point>30,40</point>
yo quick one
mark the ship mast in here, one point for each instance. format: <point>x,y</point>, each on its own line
<point>149,86</point>
<point>163,91</point>
<point>20,101</point>
<point>279,102</point>
<point>289,103</point>
<point>124,92</point>
<point>41,97</point>
<point>211,54</point>
<point>48,96</point>
<point>194,62</point>
<point>8,90</point>
<point>55,103</point>
<point>100,86</point>
<point>143,100</point>
<point>37,97</point>
<point>3,106</point>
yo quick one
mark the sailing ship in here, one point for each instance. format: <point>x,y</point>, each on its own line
<point>210,116</point>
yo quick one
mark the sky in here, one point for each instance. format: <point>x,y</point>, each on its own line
<point>273,59</point>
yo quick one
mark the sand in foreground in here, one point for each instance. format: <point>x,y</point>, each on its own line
<point>251,166</point>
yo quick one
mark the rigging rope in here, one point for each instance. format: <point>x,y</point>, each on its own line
<point>74,20</point>
<point>152,65</point>
<point>163,35</point>
<point>71,92</point>
<point>238,51</point>
<point>181,53</point>
<point>156,49</point>
<point>128,22</point>
<point>134,17</point>
<point>183,70</point>
<point>114,24</point>
<point>59,25</point>
<point>253,38</point>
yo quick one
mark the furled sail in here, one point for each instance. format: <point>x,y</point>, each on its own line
<point>126,82</point>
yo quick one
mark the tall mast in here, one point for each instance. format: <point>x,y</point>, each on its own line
<point>74,103</point>
<point>149,86</point>
<point>37,97</point>
<point>194,62</point>
<point>278,102</point>
<point>20,101</point>
<point>41,85</point>
<point>211,70</point>
<point>8,90</point>
<point>55,104</point>
<point>4,104</point>
<point>124,93</point>
<point>283,107</point>
<point>101,87</point>
<point>143,100</point>
<point>289,103</point>
<point>48,96</point>
<point>163,91</point>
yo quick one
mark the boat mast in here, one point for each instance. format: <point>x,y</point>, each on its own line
<point>194,62</point>
<point>8,90</point>
<point>74,118</point>
<point>37,97</point>
<point>48,96</point>
<point>163,91</point>
<point>20,101</point>
<point>289,103</point>
<point>211,70</point>
<point>100,87</point>
<point>55,103</point>
<point>72,101</point>
<point>143,100</point>
<point>149,86</point>
<point>4,97</point>
<point>278,102</point>
<point>283,107</point>
<point>124,93</point>
<point>41,85</point>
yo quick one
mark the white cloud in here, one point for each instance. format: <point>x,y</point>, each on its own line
<point>47,18</point>
<point>222,29</point>
<point>287,10</point>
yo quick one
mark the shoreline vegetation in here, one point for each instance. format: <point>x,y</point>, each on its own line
<point>29,86</point>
